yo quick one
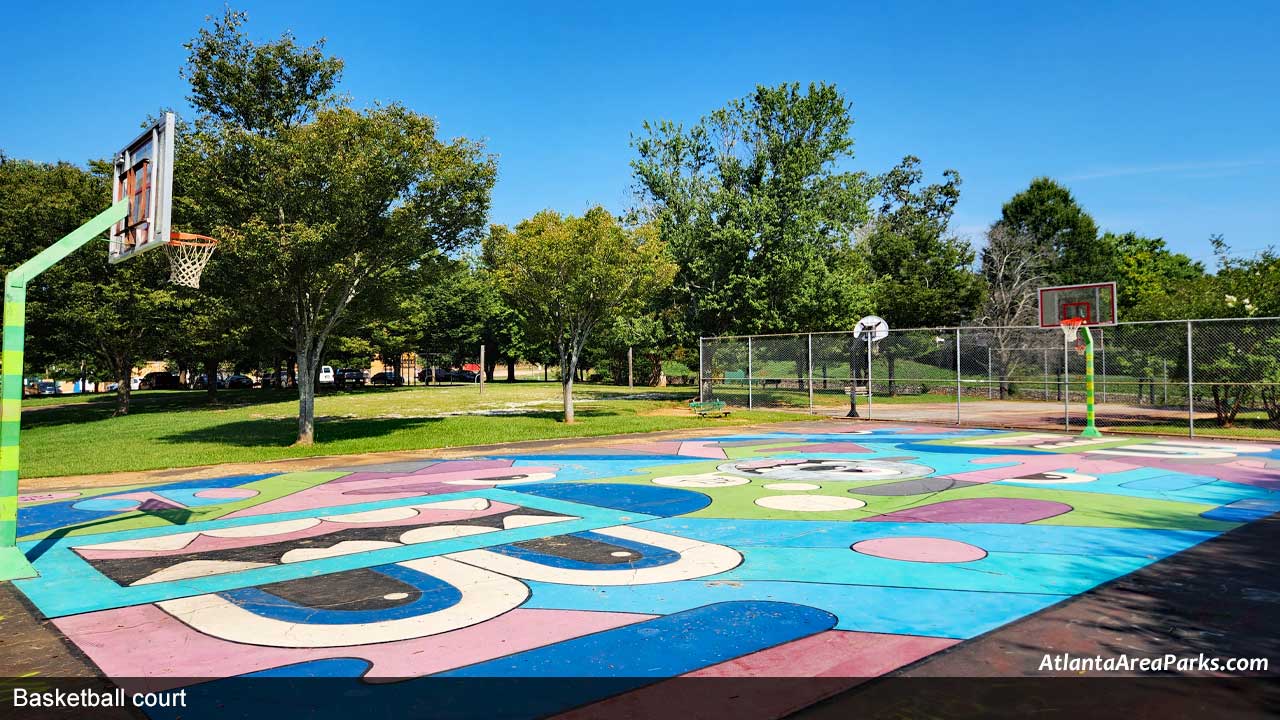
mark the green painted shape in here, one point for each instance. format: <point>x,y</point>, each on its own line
<point>14,565</point>
<point>269,489</point>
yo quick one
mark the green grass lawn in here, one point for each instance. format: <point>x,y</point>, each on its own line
<point>72,435</point>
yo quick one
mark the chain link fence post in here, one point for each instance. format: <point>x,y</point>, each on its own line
<point>750,397</point>
<point>958,387</point>
<point>810,354</point>
<point>1191,387</point>
<point>702,372</point>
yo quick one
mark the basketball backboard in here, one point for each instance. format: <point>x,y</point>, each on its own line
<point>1095,303</point>
<point>144,175</point>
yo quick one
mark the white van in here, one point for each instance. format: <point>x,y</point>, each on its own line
<point>326,374</point>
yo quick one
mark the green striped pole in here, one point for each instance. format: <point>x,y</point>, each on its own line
<point>13,564</point>
<point>1090,429</point>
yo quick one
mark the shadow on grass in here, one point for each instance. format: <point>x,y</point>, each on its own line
<point>282,432</point>
<point>102,407</point>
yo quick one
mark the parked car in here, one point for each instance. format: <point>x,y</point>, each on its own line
<point>160,381</point>
<point>349,377</point>
<point>202,383</point>
<point>326,375</point>
<point>386,378</point>
<point>134,384</point>
<point>48,387</point>
<point>449,375</point>
<point>239,382</point>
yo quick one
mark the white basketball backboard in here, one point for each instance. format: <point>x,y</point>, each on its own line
<point>144,175</point>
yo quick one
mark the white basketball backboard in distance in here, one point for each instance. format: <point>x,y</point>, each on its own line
<point>144,175</point>
<point>1095,303</point>
<point>871,327</point>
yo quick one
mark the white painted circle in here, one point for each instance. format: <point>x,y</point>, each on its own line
<point>792,486</point>
<point>395,596</point>
<point>708,480</point>
<point>809,503</point>
<point>620,553</point>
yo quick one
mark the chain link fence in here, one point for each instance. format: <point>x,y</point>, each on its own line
<point>1215,378</point>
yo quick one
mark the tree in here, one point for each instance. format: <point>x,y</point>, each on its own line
<point>317,200</point>
<point>567,274</point>
<point>83,307</point>
<point>1147,273</point>
<point>1047,212</point>
<point>1014,267</point>
<point>755,212</point>
<point>922,275</point>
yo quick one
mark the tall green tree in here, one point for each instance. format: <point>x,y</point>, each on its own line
<point>567,275</point>
<point>757,214</point>
<point>1147,274</point>
<point>316,200</point>
<point>923,274</point>
<point>1047,215</point>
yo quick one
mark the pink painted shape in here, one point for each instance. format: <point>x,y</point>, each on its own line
<point>442,466</point>
<point>1009,511</point>
<point>1230,471</point>
<point>155,651</point>
<point>920,549</point>
<point>657,448</point>
<point>227,493</point>
<point>205,542</point>
<point>709,449</point>
<point>384,487</point>
<point>42,497</point>
<point>830,447</point>
<point>834,653</point>
<point>1024,465</point>
<point>837,659</point>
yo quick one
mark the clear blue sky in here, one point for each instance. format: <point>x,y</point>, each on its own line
<point>1163,120</point>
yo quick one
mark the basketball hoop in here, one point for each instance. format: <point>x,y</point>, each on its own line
<point>1071,329</point>
<point>188,254</point>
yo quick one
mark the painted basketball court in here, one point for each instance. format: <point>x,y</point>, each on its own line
<point>831,549</point>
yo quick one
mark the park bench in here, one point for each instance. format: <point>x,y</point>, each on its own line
<point>709,408</point>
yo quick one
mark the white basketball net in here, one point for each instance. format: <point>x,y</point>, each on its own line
<point>187,261</point>
<point>1071,330</point>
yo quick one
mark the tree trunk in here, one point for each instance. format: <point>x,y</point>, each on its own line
<point>306,396</point>
<point>567,386</point>
<point>544,372</point>
<point>511,370</point>
<point>124,383</point>
<point>211,380</point>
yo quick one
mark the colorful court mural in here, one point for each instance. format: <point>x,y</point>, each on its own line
<point>829,551</point>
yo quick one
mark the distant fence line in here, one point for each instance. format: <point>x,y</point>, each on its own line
<point>1220,377</point>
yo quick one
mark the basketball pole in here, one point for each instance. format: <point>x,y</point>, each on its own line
<point>1090,429</point>
<point>13,563</point>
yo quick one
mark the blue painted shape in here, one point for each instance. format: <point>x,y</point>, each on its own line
<point>436,595</point>
<point>68,585</point>
<point>577,467</point>
<point>743,534</point>
<point>1018,572</point>
<point>865,608</point>
<point>1203,490</point>
<point>648,499</point>
<point>1167,482</point>
<point>106,504</point>
<point>327,668</point>
<point>50,516</point>
<point>663,647</point>
<point>646,555</point>
<point>189,499</point>
<point>1244,510</point>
